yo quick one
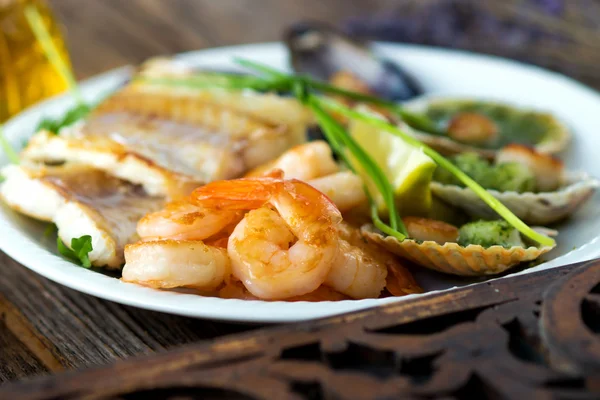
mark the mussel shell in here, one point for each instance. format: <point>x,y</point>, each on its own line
<point>319,50</point>
<point>533,208</point>
<point>554,139</point>
<point>451,258</point>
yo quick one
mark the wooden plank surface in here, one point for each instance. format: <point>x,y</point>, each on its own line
<point>531,336</point>
<point>106,34</point>
<point>45,327</point>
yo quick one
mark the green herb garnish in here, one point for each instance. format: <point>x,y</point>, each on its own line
<point>221,80</point>
<point>418,120</point>
<point>494,203</point>
<point>72,116</point>
<point>503,177</point>
<point>49,231</point>
<point>340,140</point>
<point>79,251</point>
<point>489,233</point>
<point>11,154</point>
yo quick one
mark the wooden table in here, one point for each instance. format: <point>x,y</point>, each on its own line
<point>44,327</point>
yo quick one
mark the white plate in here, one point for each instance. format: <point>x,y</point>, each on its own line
<point>441,72</point>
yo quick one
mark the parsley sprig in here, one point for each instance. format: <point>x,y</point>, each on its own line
<point>79,251</point>
<point>73,115</point>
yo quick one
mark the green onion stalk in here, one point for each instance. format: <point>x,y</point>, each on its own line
<point>338,137</point>
<point>490,200</point>
<point>417,120</point>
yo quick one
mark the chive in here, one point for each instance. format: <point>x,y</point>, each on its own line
<point>215,80</point>
<point>43,37</point>
<point>262,68</point>
<point>10,152</point>
<point>494,203</point>
<point>339,137</point>
<point>418,120</point>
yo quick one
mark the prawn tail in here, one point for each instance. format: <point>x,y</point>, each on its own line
<point>237,194</point>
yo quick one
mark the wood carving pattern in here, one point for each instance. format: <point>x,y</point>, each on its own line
<point>531,336</point>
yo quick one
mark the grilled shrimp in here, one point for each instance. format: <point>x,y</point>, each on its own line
<point>548,171</point>
<point>306,161</point>
<point>312,162</point>
<point>400,281</point>
<point>183,220</point>
<point>285,247</point>
<point>363,269</point>
<point>164,264</point>
<point>183,245</point>
<point>345,189</point>
<point>357,271</point>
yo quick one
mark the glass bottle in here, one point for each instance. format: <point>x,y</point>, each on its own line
<point>26,76</point>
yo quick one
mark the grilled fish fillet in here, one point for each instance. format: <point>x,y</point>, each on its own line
<point>81,201</point>
<point>170,140</point>
<point>268,107</point>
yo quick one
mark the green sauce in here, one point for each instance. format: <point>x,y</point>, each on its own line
<point>515,126</point>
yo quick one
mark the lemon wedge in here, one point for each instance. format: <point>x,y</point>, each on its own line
<point>407,168</point>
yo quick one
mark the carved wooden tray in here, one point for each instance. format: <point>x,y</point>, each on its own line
<point>527,337</point>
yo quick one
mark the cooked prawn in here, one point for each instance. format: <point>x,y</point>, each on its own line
<point>313,162</point>
<point>400,281</point>
<point>306,161</point>
<point>359,270</point>
<point>183,220</point>
<point>167,264</point>
<point>345,189</point>
<point>285,248</point>
<point>426,229</point>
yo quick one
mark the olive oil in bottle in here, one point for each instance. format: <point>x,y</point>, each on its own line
<point>26,76</point>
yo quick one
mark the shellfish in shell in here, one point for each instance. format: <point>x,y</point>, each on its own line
<point>454,258</point>
<point>322,52</point>
<point>534,186</point>
<point>484,127</point>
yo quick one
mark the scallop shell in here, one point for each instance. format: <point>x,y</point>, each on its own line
<point>557,140</point>
<point>533,208</point>
<point>451,258</point>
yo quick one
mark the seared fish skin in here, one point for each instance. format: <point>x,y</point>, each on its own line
<point>172,139</point>
<point>81,201</point>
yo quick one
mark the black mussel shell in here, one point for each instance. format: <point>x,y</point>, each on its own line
<point>320,51</point>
